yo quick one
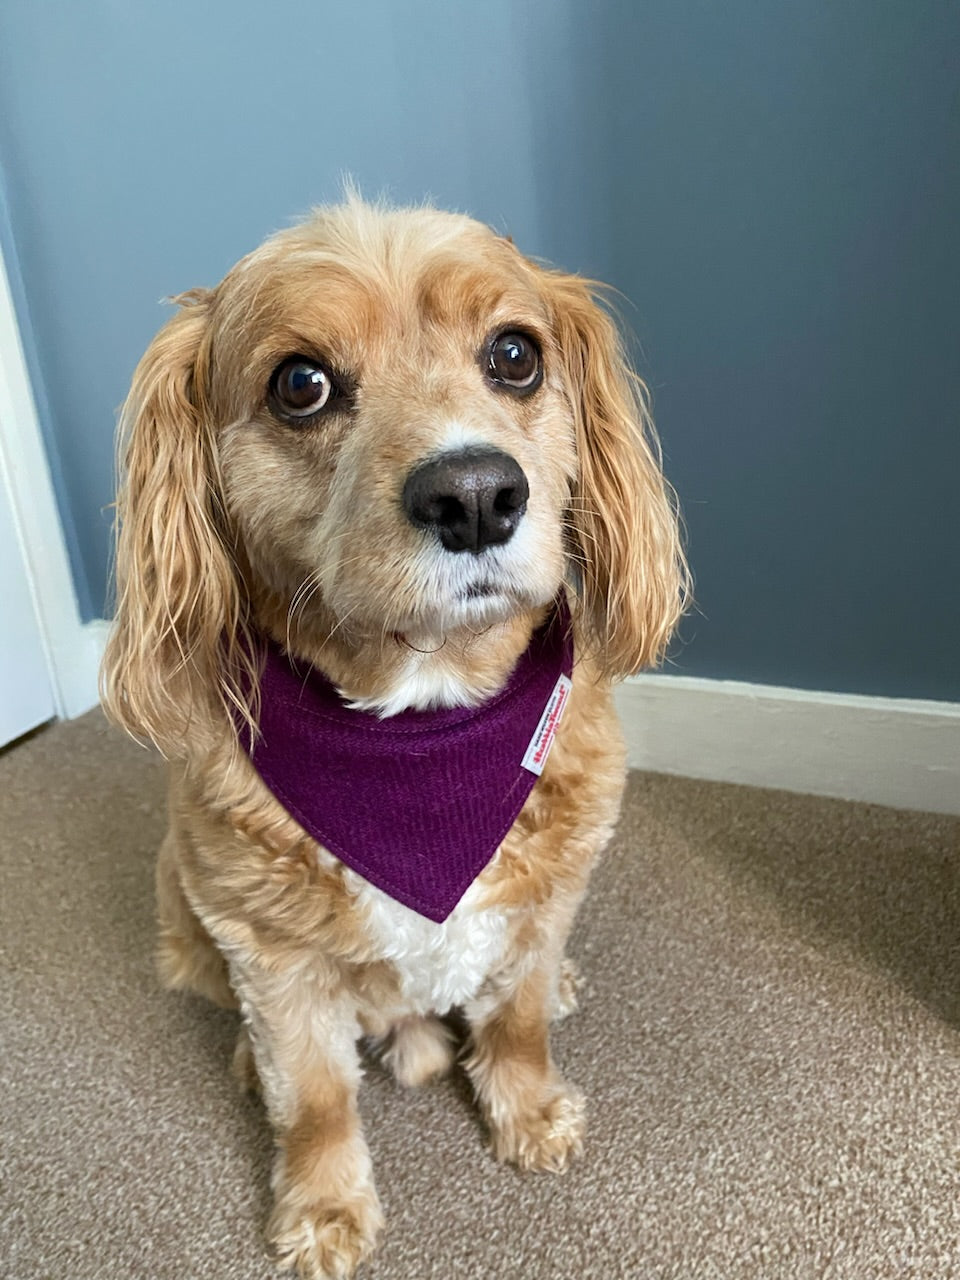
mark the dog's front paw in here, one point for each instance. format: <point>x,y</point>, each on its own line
<point>546,1136</point>
<point>325,1241</point>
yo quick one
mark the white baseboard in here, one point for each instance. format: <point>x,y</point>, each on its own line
<point>75,655</point>
<point>891,751</point>
<point>78,667</point>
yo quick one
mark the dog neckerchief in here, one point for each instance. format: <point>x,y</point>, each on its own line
<point>419,803</point>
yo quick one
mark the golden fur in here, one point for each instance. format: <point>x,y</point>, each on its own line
<point>233,524</point>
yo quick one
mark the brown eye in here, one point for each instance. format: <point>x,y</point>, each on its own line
<point>514,362</point>
<point>301,387</point>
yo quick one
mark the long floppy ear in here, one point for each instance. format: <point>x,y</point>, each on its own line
<point>176,659</point>
<point>622,523</point>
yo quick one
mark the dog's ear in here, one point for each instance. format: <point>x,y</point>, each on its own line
<point>622,523</point>
<point>178,651</point>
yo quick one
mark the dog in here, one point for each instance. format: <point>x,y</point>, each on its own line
<point>391,500</point>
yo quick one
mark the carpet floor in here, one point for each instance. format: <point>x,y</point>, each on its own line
<point>769,1039</point>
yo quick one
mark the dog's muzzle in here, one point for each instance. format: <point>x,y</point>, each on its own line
<point>471,499</point>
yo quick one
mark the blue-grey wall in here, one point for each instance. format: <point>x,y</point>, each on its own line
<point>785,186</point>
<point>773,186</point>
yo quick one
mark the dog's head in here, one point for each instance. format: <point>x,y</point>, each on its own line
<point>383,425</point>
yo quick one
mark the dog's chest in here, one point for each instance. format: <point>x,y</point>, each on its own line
<point>438,965</point>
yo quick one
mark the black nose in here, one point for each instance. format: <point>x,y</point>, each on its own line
<point>473,499</point>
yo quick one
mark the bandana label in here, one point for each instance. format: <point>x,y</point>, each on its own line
<point>539,746</point>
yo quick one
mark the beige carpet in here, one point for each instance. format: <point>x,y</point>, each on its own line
<point>769,1039</point>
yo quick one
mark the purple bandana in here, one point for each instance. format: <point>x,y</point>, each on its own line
<point>419,803</point>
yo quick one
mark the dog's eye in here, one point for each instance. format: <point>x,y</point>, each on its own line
<point>514,362</point>
<point>300,387</point>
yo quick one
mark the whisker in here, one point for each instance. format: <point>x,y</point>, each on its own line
<point>339,624</point>
<point>300,597</point>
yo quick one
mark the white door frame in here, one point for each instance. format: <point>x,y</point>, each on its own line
<point>72,648</point>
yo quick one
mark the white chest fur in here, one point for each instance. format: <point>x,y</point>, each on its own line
<point>440,965</point>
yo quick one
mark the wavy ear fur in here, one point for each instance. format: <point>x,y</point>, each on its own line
<point>623,525</point>
<point>178,652</point>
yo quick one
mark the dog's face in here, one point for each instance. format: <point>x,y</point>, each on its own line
<point>381,424</point>
<point>394,425</point>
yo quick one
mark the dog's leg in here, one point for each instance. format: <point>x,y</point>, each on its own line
<point>566,986</point>
<point>244,1065</point>
<point>420,1049</point>
<point>326,1214</point>
<point>187,957</point>
<point>535,1118</point>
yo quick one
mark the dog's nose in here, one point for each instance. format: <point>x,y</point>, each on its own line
<point>473,499</point>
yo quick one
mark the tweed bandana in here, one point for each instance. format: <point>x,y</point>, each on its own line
<point>418,803</point>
